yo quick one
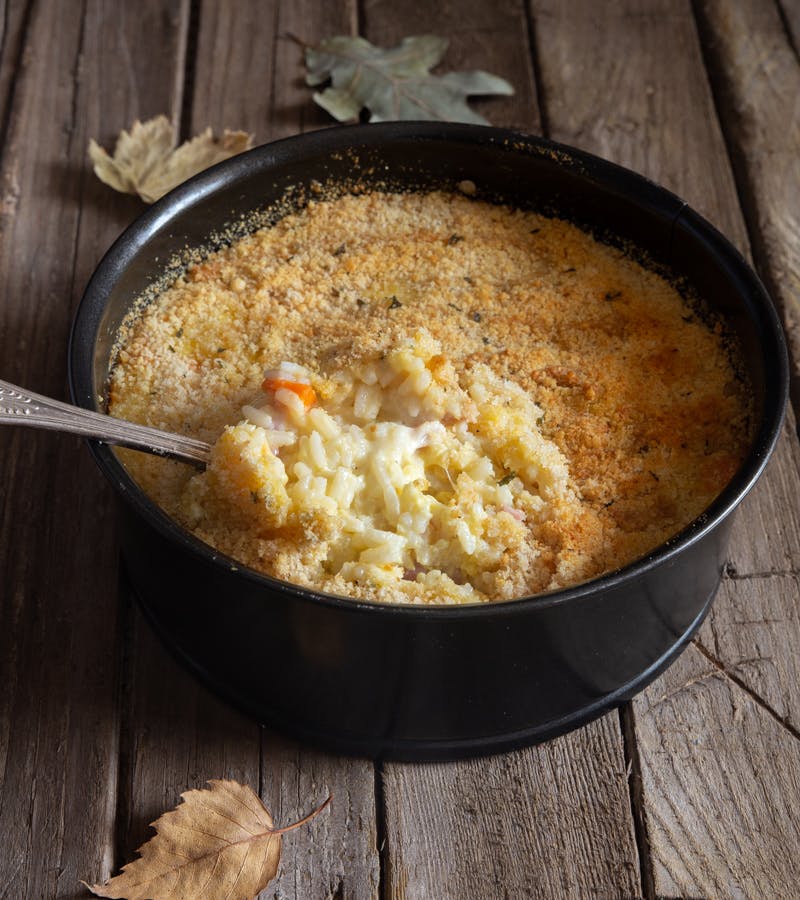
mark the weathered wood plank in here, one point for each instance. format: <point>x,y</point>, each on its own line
<point>790,12</point>
<point>460,830</point>
<point>628,82</point>
<point>721,777</point>
<point>755,630</point>
<point>250,71</point>
<point>137,74</point>
<point>177,736</point>
<point>59,627</point>
<point>766,533</point>
<point>180,736</point>
<point>245,76</point>
<point>493,37</point>
<point>758,74</point>
<point>336,856</point>
<point>547,821</point>
<point>14,21</point>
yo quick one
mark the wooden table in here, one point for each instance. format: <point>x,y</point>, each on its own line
<point>691,790</point>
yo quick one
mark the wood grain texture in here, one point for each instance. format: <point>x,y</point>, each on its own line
<point>176,736</point>
<point>489,36</point>
<point>336,856</point>
<point>754,634</point>
<point>790,13</point>
<point>541,822</point>
<point>766,533</point>
<point>758,73</point>
<point>249,72</point>
<point>459,830</point>
<point>626,80</point>
<point>293,108</point>
<point>722,778</point>
<point>716,736</point>
<point>14,22</point>
<point>59,628</point>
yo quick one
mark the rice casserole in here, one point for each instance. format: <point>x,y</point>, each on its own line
<point>425,398</point>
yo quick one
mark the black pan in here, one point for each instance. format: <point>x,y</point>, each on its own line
<point>409,682</point>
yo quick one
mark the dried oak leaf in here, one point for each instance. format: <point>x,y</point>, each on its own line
<point>146,161</point>
<point>395,83</point>
<point>219,843</point>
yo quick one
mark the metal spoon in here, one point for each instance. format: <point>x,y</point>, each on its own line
<point>21,407</point>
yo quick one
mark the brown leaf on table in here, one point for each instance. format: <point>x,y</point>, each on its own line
<point>219,843</point>
<point>146,161</point>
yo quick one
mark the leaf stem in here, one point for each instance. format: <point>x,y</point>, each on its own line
<point>305,820</point>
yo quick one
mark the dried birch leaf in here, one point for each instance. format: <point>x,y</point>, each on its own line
<point>145,161</point>
<point>219,843</point>
<point>395,83</point>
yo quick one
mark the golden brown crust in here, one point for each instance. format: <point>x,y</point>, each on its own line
<point>637,390</point>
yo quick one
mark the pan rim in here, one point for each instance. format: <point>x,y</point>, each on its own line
<point>83,340</point>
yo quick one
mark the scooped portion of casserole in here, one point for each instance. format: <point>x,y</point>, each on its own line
<point>462,401</point>
<point>392,473</point>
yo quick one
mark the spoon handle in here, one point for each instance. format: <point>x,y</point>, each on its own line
<point>21,407</point>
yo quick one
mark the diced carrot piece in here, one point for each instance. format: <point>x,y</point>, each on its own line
<point>304,391</point>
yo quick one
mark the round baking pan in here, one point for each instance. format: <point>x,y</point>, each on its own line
<point>411,682</point>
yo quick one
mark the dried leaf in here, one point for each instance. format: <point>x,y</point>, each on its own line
<point>395,83</point>
<point>219,843</point>
<point>145,161</point>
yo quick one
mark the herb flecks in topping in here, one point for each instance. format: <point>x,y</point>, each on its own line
<point>455,239</point>
<point>457,308</point>
<point>613,295</point>
<point>507,479</point>
<point>395,303</point>
<point>340,250</point>
<point>476,317</point>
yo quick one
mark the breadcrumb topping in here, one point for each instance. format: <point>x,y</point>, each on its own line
<point>633,387</point>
